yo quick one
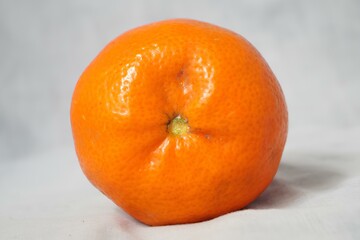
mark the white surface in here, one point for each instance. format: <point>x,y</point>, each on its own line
<point>315,195</point>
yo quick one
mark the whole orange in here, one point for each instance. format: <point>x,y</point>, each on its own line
<point>179,121</point>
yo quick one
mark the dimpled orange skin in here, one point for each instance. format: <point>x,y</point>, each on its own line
<point>218,83</point>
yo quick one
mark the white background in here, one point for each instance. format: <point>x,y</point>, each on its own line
<point>313,48</point>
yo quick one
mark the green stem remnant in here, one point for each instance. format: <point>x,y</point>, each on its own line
<point>178,126</point>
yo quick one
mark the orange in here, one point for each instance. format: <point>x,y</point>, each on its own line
<point>179,121</point>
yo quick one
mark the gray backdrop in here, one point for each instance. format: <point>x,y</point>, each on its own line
<point>312,46</point>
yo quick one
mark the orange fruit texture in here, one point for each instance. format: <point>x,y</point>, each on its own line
<point>179,121</point>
